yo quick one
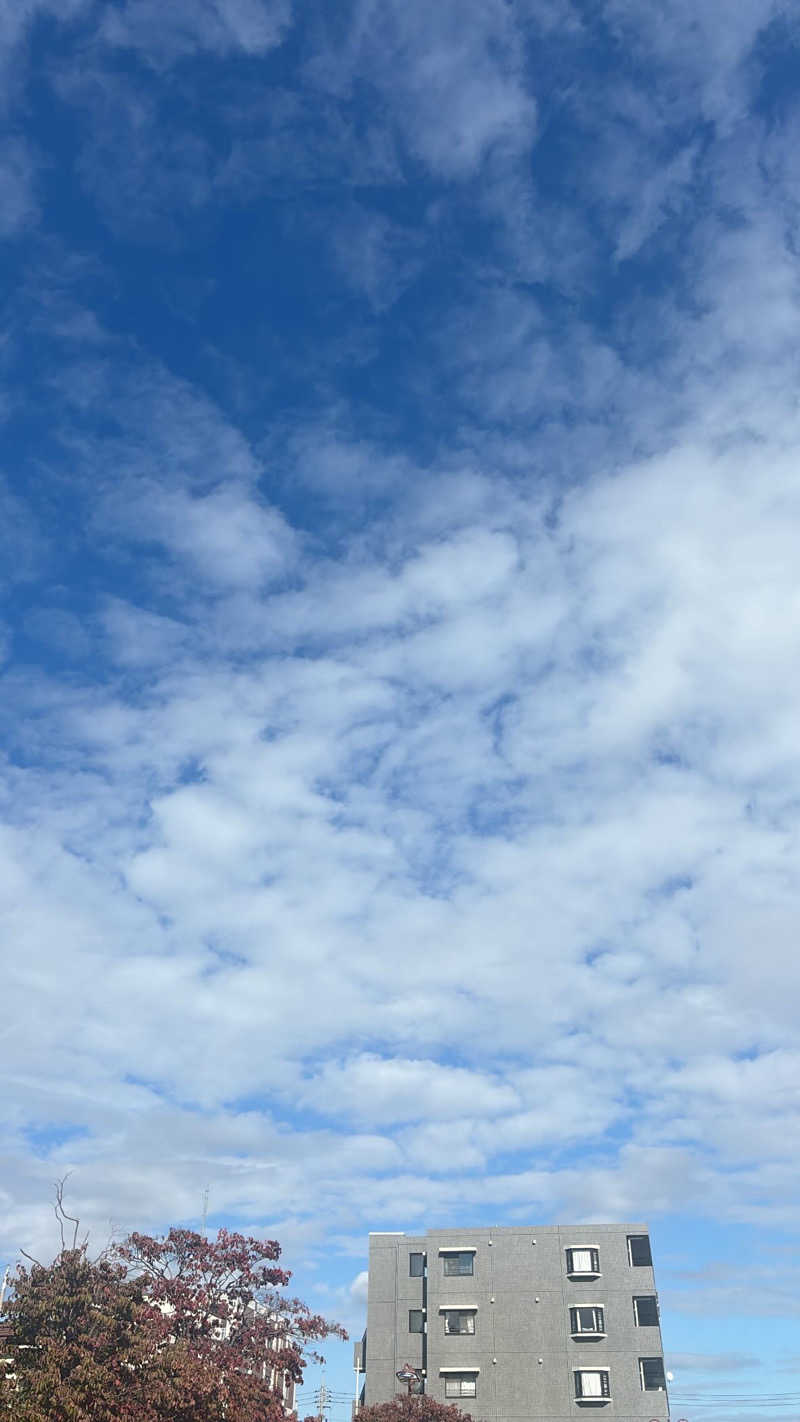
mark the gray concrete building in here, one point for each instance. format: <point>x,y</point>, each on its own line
<point>517,1325</point>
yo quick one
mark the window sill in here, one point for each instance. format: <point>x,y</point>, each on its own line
<point>584,1274</point>
<point>591,1401</point>
<point>589,1333</point>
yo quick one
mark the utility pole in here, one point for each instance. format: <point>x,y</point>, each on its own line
<point>3,1287</point>
<point>206,1193</point>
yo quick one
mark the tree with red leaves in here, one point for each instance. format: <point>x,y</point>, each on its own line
<point>241,1341</point>
<point>413,1409</point>
<point>179,1329</point>
<point>80,1345</point>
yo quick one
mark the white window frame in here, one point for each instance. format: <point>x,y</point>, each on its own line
<point>601,1396</point>
<point>588,1332</point>
<point>589,1249</point>
<point>469,1309</point>
<point>460,1375</point>
<point>449,1250</point>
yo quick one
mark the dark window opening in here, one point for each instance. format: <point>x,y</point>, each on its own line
<point>652,1371</point>
<point>416,1320</point>
<point>645,1311</point>
<point>416,1265</point>
<point>639,1249</point>
<point>459,1262</point>
<point>459,1320</point>
<point>586,1320</point>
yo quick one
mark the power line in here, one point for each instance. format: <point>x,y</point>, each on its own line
<point>738,1402</point>
<point>734,1396</point>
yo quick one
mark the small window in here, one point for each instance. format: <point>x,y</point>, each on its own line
<point>583,1261</point>
<point>645,1311</point>
<point>461,1385</point>
<point>592,1384</point>
<point>459,1320</point>
<point>652,1374</point>
<point>416,1320</point>
<point>459,1262</point>
<point>639,1249</point>
<point>416,1265</point>
<point>586,1320</point>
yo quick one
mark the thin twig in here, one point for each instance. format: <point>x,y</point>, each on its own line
<point>61,1215</point>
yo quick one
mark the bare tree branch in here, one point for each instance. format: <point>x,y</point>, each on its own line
<point>61,1214</point>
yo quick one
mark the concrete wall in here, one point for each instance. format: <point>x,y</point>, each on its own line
<point>523,1296</point>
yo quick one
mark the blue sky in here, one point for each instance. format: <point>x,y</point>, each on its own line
<point>399,543</point>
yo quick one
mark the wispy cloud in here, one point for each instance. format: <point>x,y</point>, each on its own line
<point>401,727</point>
<point>453,77</point>
<point>165,35</point>
<point>19,205</point>
<point>712,1362</point>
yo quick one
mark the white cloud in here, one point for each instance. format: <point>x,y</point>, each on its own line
<point>166,34</point>
<point>19,205</point>
<point>402,828</point>
<point>228,537</point>
<point>711,1362</point>
<point>377,257</point>
<point>663,192</point>
<point>372,1088</point>
<point>480,822</point>
<point>452,75</point>
<point>705,57</point>
<point>16,22</point>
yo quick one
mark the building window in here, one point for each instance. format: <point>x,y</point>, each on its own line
<point>645,1311</point>
<point>416,1320</point>
<point>652,1374</point>
<point>461,1385</point>
<point>416,1265</point>
<point>583,1261</point>
<point>586,1320</point>
<point>639,1249</point>
<point>592,1384</point>
<point>459,1320</point>
<point>458,1262</point>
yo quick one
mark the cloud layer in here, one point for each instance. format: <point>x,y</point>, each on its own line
<point>401,773</point>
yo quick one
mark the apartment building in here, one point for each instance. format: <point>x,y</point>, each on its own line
<point>517,1325</point>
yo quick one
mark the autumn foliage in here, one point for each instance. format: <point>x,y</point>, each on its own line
<point>413,1409</point>
<point>179,1329</point>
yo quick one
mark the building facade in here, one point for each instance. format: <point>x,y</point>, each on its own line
<point>517,1325</point>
